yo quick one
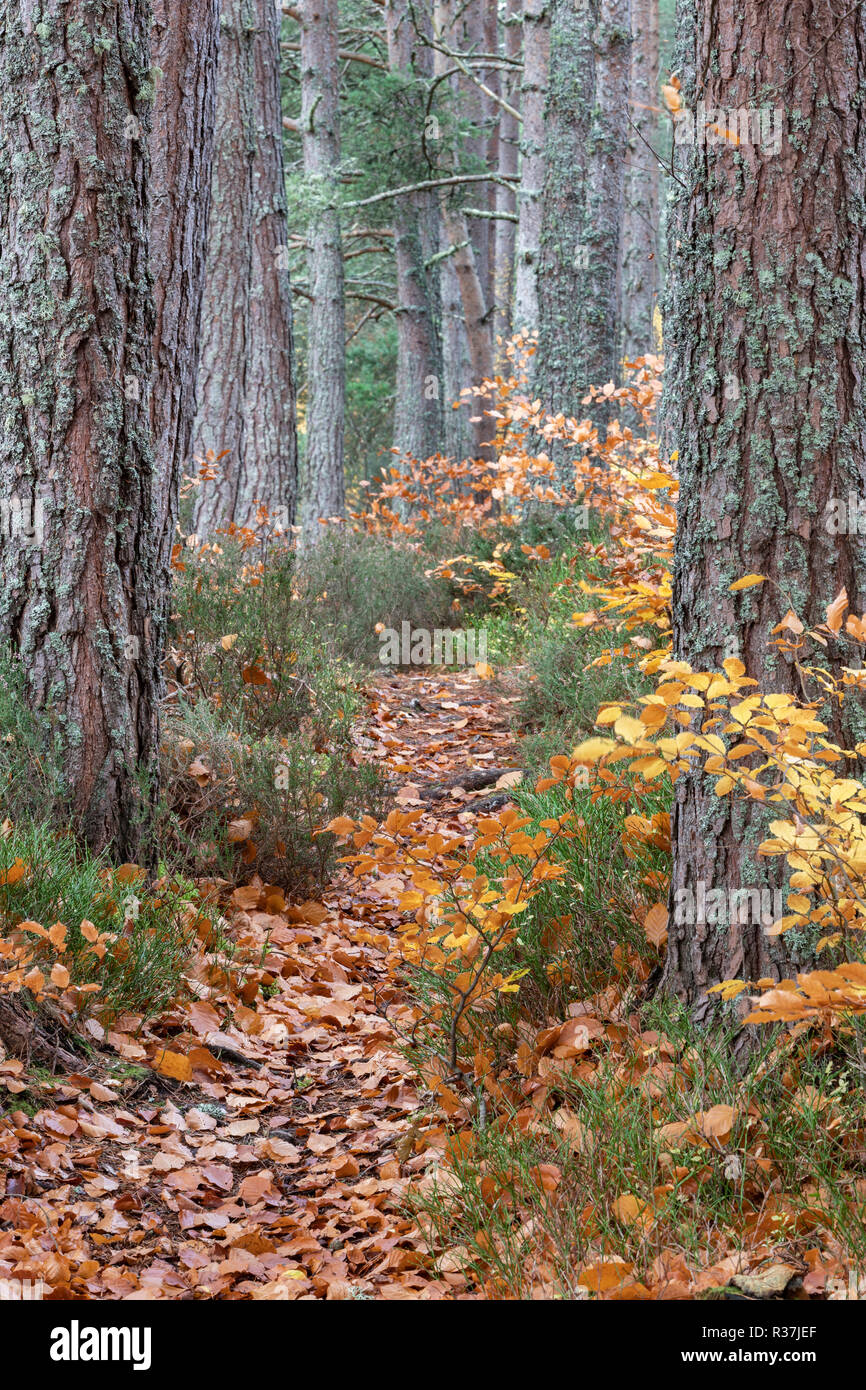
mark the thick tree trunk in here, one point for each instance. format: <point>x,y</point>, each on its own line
<point>765,337</point>
<point>639,252</point>
<point>585,125</point>
<point>505,230</point>
<point>533,98</point>
<point>185,44</point>
<point>80,577</point>
<point>246,390</point>
<point>324,484</point>
<point>417,405</point>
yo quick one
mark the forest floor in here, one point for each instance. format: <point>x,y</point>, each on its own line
<point>260,1141</point>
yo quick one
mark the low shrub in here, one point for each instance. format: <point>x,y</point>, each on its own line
<point>131,940</point>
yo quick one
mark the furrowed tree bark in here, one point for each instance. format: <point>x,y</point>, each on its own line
<point>246,387</point>
<point>185,45</point>
<point>417,405</point>
<point>505,231</point>
<point>639,251</point>
<point>533,97</point>
<point>80,567</point>
<point>585,125</point>
<point>764,331</point>
<point>324,485</point>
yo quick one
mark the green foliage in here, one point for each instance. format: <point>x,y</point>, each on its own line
<point>259,753</point>
<point>32,785</point>
<point>351,582</point>
<point>233,805</point>
<point>561,689</point>
<point>151,934</point>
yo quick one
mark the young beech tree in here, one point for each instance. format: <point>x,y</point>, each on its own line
<point>765,339</point>
<point>246,388</point>
<point>80,566</point>
<point>324,482</point>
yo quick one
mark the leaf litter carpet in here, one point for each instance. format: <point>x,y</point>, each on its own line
<point>257,1142</point>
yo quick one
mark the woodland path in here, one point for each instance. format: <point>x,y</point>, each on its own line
<point>282,1176</point>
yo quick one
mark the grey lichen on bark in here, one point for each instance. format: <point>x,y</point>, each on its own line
<point>78,577</point>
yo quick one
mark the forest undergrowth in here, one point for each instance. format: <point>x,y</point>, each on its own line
<point>383,1013</point>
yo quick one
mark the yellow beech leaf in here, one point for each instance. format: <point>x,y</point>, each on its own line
<point>592,749</point>
<point>748,581</point>
<point>174,1065</point>
<point>607,716</point>
<point>228,641</point>
<point>630,729</point>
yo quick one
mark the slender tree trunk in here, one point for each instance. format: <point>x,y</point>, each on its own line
<point>417,406</point>
<point>246,390</point>
<point>324,484</point>
<point>460,262</point>
<point>505,231</point>
<point>80,568</point>
<point>466,34</point>
<point>639,253</point>
<point>533,97</point>
<point>492,78</point>
<point>765,400</point>
<point>456,365</point>
<point>185,46</point>
<point>585,125</point>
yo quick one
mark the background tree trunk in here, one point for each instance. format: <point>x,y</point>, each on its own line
<point>324,483</point>
<point>639,252</point>
<point>76,459</point>
<point>246,377</point>
<point>417,405</point>
<point>460,266</point>
<point>185,45</point>
<point>764,332</point>
<point>505,231</point>
<point>585,128</point>
<point>533,98</point>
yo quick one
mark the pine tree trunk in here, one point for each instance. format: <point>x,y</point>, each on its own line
<point>468,316</point>
<point>585,127</point>
<point>639,253</point>
<point>533,98</point>
<point>324,484</point>
<point>185,47</point>
<point>505,235</point>
<point>766,346</point>
<point>246,389</point>
<point>80,577</point>
<point>417,405</point>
